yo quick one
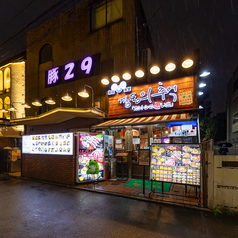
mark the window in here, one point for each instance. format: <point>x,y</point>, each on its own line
<point>107,12</point>
<point>7,80</point>
<point>235,85</point>
<point>45,53</point>
<point>7,105</point>
<point>235,117</point>
<point>1,81</point>
<point>1,106</point>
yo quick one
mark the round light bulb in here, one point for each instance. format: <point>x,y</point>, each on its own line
<point>187,63</point>
<point>170,67</point>
<point>115,79</point>
<point>126,76</point>
<point>105,81</point>
<point>155,69</point>
<point>139,73</point>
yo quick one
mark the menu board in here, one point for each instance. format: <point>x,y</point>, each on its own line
<point>57,144</point>
<point>90,157</point>
<point>176,163</point>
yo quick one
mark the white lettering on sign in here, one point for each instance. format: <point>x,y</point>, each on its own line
<point>69,74</point>
<point>84,68</point>
<point>53,75</point>
<point>162,93</point>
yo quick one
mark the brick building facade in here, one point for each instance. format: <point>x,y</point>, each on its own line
<point>116,40</point>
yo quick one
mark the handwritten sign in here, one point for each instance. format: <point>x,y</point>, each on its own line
<point>185,98</point>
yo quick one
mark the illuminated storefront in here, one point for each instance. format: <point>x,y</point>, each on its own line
<point>160,118</point>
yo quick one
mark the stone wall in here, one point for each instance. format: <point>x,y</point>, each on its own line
<point>223,182</point>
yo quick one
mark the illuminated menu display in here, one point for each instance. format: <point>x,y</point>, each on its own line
<point>90,157</point>
<point>176,163</point>
<point>58,144</point>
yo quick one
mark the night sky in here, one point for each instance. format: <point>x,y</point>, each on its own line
<point>178,28</point>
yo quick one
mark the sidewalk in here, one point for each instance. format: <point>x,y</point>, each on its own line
<point>176,195</point>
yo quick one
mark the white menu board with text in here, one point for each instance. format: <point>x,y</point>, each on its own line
<point>57,144</point>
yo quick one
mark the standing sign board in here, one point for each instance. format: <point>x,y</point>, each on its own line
<point>144,157</point>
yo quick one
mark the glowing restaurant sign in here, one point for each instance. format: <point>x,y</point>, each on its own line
<point>161,93</point>
<point>74,70</point>
<point>170,95</point>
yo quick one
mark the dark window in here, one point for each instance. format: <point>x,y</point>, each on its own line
<point>235,85</point>
<point>45,53</point>
<point>105,13</point>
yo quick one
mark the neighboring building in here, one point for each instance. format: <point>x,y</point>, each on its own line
<point>12,96</point>
<point>232,108</point>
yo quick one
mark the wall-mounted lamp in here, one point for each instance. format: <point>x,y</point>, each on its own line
<point>37,103</point>
<point>3,110</point>
<point>12,109</point>
<point>50,101</point>
<point>204,74</point>
<point>200,93</point>
<point>202,85</point>
<point>68,98</point>
<point>85,94</point>
<point>26,105</point>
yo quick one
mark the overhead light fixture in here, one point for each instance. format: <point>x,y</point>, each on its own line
<point>12,109</point>
<point>154,69</point>
<point>139,73</point>
<point>83,94</point>
<point>204,74</point>
<point>170,67</point>
<point>200,107</point>
<point>202,85</point>
<point>37,103</point>
<point>126,76</point>
<point>200,93</point>
<point>4,110</point>
<point>115,78</point>
<point>50,101</point>
<point>26,105</point>
<point>187,63</point>
<point>105,81</point>
<point>67,97</point>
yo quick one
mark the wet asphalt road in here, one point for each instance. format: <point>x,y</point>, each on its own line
<point>36,209</point>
